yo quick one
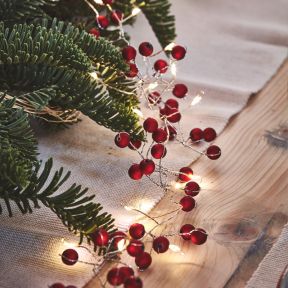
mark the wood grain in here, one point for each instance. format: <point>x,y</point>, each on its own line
<point>250,180</point>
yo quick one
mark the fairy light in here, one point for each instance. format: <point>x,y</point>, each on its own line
<point>197,99</point>
<point>98,2</point>
<point>128,208</point>
<point>175,248</point>
<point>94,75</point>
<point>121,245</point>
<point>135,11</point>
<point>174,69</point>
<point>153,85</point>
<point>138,112</point>
<point>170,46</point>
<point>69,244</point>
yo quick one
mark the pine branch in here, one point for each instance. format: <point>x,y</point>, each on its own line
<point>54,62</point>
<point>73,207</point>
<point>162,22</point>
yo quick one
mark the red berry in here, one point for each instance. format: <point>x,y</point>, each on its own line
<point>122,139</point>
<point>154,98</point>
<point>180,90</point>
<point>133,72</point>
<point>209,134</point>
<point>107,2</point>
<point>161,244</point>
<point>143,261</point>
<point>137,231</point>
<point>135,144</point>
<point>199,236</point>
<point>100,237</point>
<point>172,132</point>
<point>161,66</point>
<point>158,151</point>
<point>192,189</point>
<point>186,231</point>
<point>57,285</point>
<point>178,52</point>
<point>213,152</point>
<point>116,237</point>
<point>174,116</point>
<point>188,203</point>
<point>196,134</point>
<point>103,21</point>
<point>133,282</point>
<point>70,257</point>
<point>185,174</point>
<point>146,49</point>
<point>95,32</point>
<point>172,103</point>
<point>135,172</point>
<point>117,17</point>
<point>129,53</point>
<point>150,125</point>
<point>127,272</point>
<point>115,277</point>
<point>135,248</point>
<point>147,166</point>
<point>159,135</point>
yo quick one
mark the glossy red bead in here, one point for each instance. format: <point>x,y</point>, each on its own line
<point>133,72</point>
<point>178,52</point>
<point>159,135</point>
<point>213,152</point>
<point>122,139</point>
<point>209,134</point>
<point>192,189</point>
<point>117,17</point>
<point>196,134</point>
<point>147,166</point>
<point>172,103</point>
<point>146,49</point>
<point>100,237</point>
<point>129,53</point>
<point>135,144</point>
<point>115,277</point>
<point>186,231</point>
<point>185,174</point>
<point>174,115</point>
<point>57,285</point>
<point>154,98</point>
<point>133,282</point>
<point>161,66</point>
<point>137,231</point>
<point>135,248</point>
<point>158,151</point>
<point>103,21</point>
<point>95,32</point>
<point>143,261</point>
<point>135,172</point>
<point>199,236</point>
<point>188,203</point>
<point>116,237</point>
<point>180,90</point>
<point>161,244</point>
<point>127,272</point>
<point>150,125</point>
<point>70,257</point>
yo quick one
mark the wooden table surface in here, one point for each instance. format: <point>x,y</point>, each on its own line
<point>249,181</point>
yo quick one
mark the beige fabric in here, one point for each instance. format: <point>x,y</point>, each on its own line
<point>234,49</point>
<point>270,269</point>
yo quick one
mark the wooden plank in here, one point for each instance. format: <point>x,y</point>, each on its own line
<point>249,180</point>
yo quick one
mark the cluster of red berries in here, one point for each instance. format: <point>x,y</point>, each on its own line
<point>160,66</point>
<point>197,236</point>
<point>103,21</point>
